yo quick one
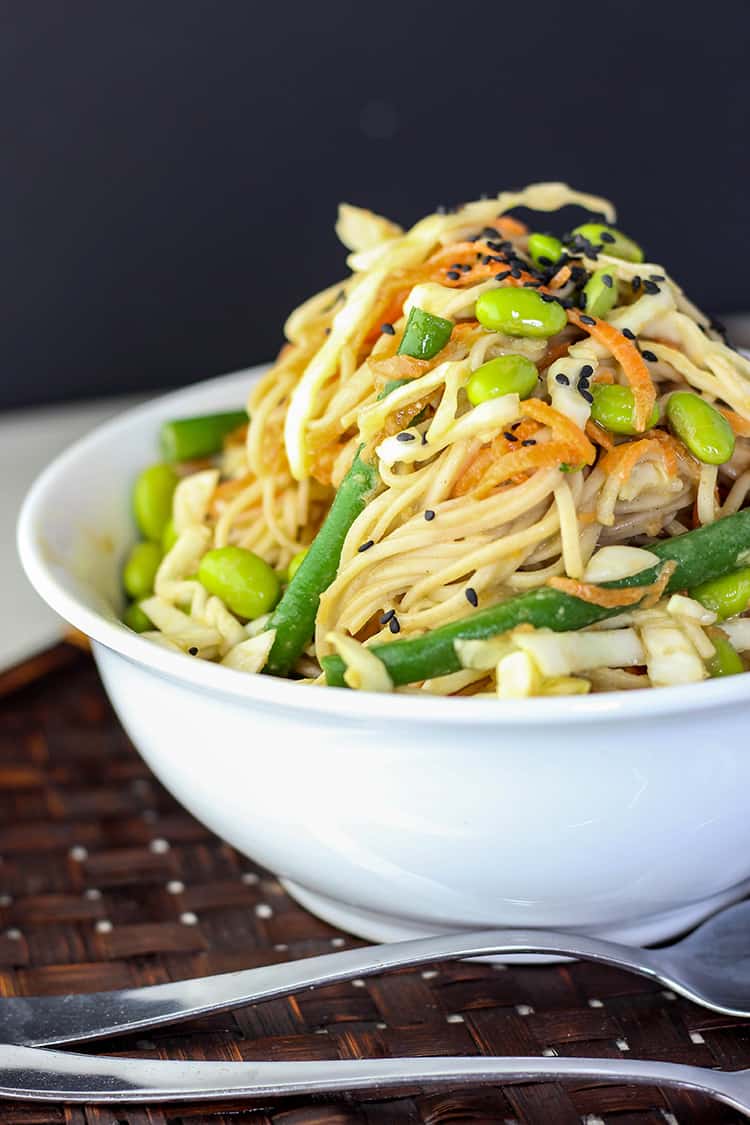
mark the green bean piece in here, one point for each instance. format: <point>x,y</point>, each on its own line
<point>726,661</point>
<point>136,619</point>
<point>392,385</point>
<point>609,241</point>
<point>725,596</point>
<point>701,427</point>
<point>504,375</point>
<point>700,555</point>
<point>245,582</point>
<point>185,439</point>
<point>544,249</point>
<point>294,617</point>
<point>140,569</point>
<point>600,292</point>
<point>425,335</point>
<point>520,312</point>
<point>169,537</point>
<point>296,563</point>
<point>152,500</point>
<point>614,409</point>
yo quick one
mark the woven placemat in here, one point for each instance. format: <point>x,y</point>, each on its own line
<point>106,882</point>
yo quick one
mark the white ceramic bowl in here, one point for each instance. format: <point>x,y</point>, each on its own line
<point>623,815</point>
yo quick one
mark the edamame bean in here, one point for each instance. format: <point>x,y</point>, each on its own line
<point>520,312</point>
<point>610,241</point>
<point>614,409</point>
<point>544,249</point>
<point>140,569</point>
<point>701,427</point>
<point>726,596</point>
<point>504,375</point>
<point>152,500</point>
<point>169,538</point>
<point>136,619</point>
<point>726,661</point>
<point>244,581</point>
<point>600,292</point>
<point>296,563</point>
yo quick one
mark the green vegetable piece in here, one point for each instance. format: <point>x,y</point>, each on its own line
<point>140,569</point>
<point>152,500</point>
<point>187,438</point>
<point>544,249</point>
<point>701,427</point>
<point>504,375</point>
<point>700,555</point>
<point>726,661</point>
<point>614,409</point>
<point>520,312</point>
<point>392,385</point>
<point>725,596</point>
<point>296,563</point>
<point>169,537</point>
<point>294,617</point>
<point>610,241</point>
<point>136,619</point>
<point>601,293</point>
<point>425,335</point>
<point>244,581</point>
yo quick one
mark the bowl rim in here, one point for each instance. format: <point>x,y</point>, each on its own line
<point>271,692</point>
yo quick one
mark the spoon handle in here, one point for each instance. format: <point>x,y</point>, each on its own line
<point>44,1021</point>
<point>37,1075</point>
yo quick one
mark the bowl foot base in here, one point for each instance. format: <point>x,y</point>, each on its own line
<point>649,929</point>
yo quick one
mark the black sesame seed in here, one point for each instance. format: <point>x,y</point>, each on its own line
<point>587,320</point>
<point>650,356</point>
<point>583,384</point>
<point>471,596</point>
<point>531,284</point>
<point>193,650</point>
<point>607,280</point>
<point>587,395</point>
<point>544,260</point>
<point>429,514</point>
<point>606,236</point>
<point>563,380</point>
<point>393,625</point>
<point>388,329</point>
<point>515,425</point>
<point>485,259</point>
<point>509,436</point>
<point>453,275</point>
<point>635,284</point>
<point>515,272</point>
<point>529,441</point>
<point>547,298</point>
<point>577,273</point>
<point>488,232</point>
<point>657,277</point>
<point>387,616</point>
<point>366,545</point>
<point>502,276</point>
<point>651,287</point>
<point>404,436</point>
<point>582,299</point>
<point>628,333</point>
<point>465,268</point>
<point>586,371</point>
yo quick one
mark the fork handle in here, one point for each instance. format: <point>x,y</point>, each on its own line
<point>52,1020</point>
<point>31,1074</point>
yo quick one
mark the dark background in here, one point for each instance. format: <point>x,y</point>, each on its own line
<point>172,167</point>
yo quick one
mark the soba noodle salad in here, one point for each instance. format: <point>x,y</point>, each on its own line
<point>492,461</point>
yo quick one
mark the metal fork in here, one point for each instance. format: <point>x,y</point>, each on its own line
<point>31,1074</point>
<point>711,966</point>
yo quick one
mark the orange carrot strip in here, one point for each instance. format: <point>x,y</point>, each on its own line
<point>561,278</point>
<point>561,425</point>
<point>740,425</point>
<point>629,358</point>
<point>596,595</point>
<point>598,435</point>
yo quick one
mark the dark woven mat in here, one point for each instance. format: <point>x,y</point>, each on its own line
<point>105,882</point>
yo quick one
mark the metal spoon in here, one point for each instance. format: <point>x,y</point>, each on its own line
<point>711,966</point>
<point>30,1074</point>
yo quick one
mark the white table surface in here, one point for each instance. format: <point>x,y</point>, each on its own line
<point>29,439</point>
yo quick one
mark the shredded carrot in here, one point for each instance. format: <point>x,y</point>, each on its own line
<point>604,375</point>
<point>740,425</point>
<point>657,588</point>
<point>486,455</point>
<point>623,458</point>
<point>554,351</point>
<point>598,435</point>
<point>399,367</point>
<point>627,355</point>
<point>562,426</point>
<point>561,278</point>
<point>596,595</point>
<point>545,455</point>
<point>510,227</point>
